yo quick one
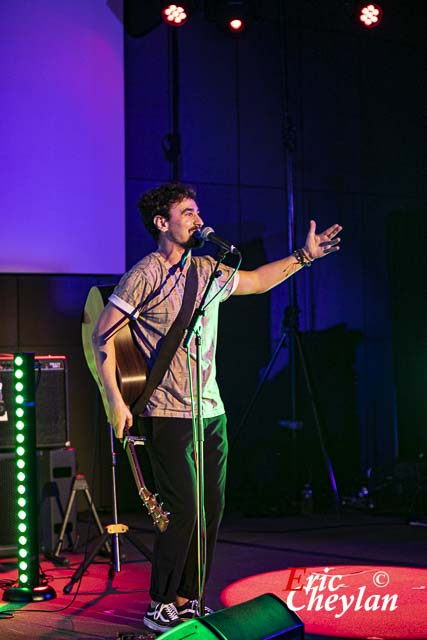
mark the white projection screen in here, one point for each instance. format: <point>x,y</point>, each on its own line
<point>62,185</point>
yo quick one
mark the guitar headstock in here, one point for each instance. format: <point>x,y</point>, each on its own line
<point>158,515</point>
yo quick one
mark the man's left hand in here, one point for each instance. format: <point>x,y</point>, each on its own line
<point>318,245</point>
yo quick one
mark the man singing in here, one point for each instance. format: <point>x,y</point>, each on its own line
<point>150,295</point>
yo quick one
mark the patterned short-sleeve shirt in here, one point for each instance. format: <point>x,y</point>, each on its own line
<point>151,293</point>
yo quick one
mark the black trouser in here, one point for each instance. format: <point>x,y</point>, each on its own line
<point>170,448</point>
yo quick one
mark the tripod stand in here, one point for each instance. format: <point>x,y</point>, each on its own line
<point>291,338</point>
<point>110,538</point>
<point>79,484</point>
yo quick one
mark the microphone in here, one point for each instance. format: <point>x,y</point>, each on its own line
<point>208,234</point>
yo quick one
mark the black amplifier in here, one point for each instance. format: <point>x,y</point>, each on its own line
<point>51,382</point>
<point>55,471</point>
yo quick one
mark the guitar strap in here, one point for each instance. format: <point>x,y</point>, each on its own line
<point>171,341</point>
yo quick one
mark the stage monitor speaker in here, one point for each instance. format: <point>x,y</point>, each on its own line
<point>56,469</point>
<point>262,618</point>
<point>51,379</point>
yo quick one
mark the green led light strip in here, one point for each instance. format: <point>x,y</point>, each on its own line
<point>24,406</point>
<point>26,471</point>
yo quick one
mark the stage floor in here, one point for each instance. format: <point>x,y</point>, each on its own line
<point>101,608</point>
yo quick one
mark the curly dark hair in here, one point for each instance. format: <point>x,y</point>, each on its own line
<point>158,201</point>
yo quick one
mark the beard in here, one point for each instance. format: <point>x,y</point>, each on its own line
<point>195,241</point>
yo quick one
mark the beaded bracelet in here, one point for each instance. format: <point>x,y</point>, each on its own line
<point>302,258</point>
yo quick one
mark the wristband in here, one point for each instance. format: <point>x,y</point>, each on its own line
<point>302,258</point>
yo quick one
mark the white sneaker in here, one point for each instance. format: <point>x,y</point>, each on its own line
<point>162,617</point>
<point>189,610</point>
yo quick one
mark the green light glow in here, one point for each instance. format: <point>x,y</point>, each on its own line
<point>25,486</point>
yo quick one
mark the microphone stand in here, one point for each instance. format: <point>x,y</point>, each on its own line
<point>198,432</point>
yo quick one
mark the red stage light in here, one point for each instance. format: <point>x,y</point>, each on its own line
<point>236,25</point>
<point>174,15</point>
<point>232,16</point>
<point>370,15</point>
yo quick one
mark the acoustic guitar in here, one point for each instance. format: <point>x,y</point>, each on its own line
<point>131,368</point>
<point>132,374</point>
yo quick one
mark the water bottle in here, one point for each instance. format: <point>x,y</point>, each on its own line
<point>307,500</point>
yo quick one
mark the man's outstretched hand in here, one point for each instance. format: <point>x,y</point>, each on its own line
<point>318,245</point>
